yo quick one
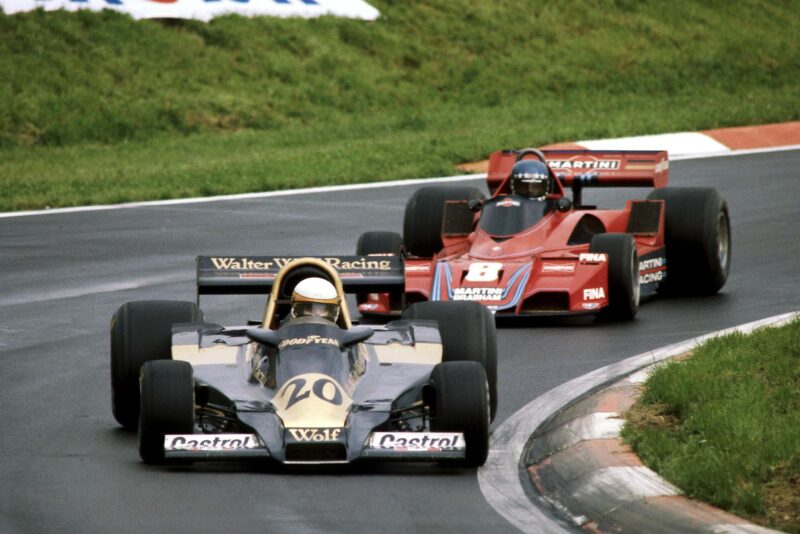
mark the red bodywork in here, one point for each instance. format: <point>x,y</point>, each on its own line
<point>545,269</point>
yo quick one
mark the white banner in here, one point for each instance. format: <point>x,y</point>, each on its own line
<point>205,9</point>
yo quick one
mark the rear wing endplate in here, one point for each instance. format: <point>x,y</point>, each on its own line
<point>590,168</point>
<point>247,275</point>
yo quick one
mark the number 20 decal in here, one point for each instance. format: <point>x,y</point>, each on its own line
<point>483,272</point>
<point>324,389</point>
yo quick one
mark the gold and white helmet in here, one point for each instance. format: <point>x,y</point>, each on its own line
<point>315,297</point>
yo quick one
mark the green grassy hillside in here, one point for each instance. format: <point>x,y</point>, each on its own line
<point>101,108</point>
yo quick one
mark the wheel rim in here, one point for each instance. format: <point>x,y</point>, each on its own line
<point>723,240</point>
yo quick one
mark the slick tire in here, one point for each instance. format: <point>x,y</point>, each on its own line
<point>462,405</point>
<point>141,331</point>
<point>378,243</point>
<point>697,238</point>
<point>422,223</point>
<point>623,275</point>
<point>468,333</point>
<point>167,406</point>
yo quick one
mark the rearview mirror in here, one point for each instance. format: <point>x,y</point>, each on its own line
<point>564,204</point>
<point>357,334</point>
<point>264,336</point>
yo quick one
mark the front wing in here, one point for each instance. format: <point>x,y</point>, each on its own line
<point>548,285</point>
<point>388,446</point>
<point>558,284</point>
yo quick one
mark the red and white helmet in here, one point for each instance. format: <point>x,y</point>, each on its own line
<point>315,297</point>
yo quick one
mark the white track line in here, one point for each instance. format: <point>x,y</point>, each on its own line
<point>335,188</point>
<point>503,478</point>
<point>245,196</point>
<point>56,294</point>
<point>787,148</point>
<point>688,143</point>
<point>741,529</point>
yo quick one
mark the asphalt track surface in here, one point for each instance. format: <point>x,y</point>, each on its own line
<point>65,465</point>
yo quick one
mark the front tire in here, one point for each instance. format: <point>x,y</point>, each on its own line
<point>698,239</point>
<point>422,222</point>
<point>462,405</point>
<point>140,332</point>
<point>167,406</point>
<point>623,274</point>
<point>468,333</point>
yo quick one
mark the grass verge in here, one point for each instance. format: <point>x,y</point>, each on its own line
<point>98,108</point>
<point>724,425</point>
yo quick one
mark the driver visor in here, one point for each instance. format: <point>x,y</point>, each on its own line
<point>317,309</point>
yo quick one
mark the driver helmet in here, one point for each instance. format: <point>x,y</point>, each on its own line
<point>530,178</point>
<point>315,297</point>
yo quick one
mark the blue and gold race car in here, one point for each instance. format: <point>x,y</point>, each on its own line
<point>298,388</point>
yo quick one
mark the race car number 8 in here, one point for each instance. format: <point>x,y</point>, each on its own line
<point>483,272</point>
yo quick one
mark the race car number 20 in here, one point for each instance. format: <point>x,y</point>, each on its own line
<point>325,389</point>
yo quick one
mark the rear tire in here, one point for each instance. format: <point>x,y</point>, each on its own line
<point>141,332</point>
<point>468,333</point>
<point>462,406</point>
<point>623,274</point>
<point>698,239</point>
<point>377,243</point>
<point>422,223</point>
<point>167,407</point>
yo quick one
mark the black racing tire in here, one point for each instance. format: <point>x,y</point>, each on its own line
<point>697,238</point>
<point>623,275</point>
<point>377,242</point>
<point>140,332</point>
<point>167,406</point>
<point>468,333</point>
<point>462,405</point>
<point>422,223</point>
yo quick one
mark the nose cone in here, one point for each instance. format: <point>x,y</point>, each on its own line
<point>498,285</point>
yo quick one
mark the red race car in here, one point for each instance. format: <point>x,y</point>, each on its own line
<point>532,250</point>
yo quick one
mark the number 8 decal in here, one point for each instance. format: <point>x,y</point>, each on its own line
<point>483,272</point>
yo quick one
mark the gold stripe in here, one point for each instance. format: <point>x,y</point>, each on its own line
<point>422,353</point>
<point>218,354</point>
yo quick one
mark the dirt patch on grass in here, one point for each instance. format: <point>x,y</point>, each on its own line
<point>782,500</point>
<point>651,416</point>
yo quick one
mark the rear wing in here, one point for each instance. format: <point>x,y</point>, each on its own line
<point>248,275</point>
<point>588,168</point>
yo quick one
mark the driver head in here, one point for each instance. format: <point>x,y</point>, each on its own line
<point>315,297</point>
<point>530,178</point>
